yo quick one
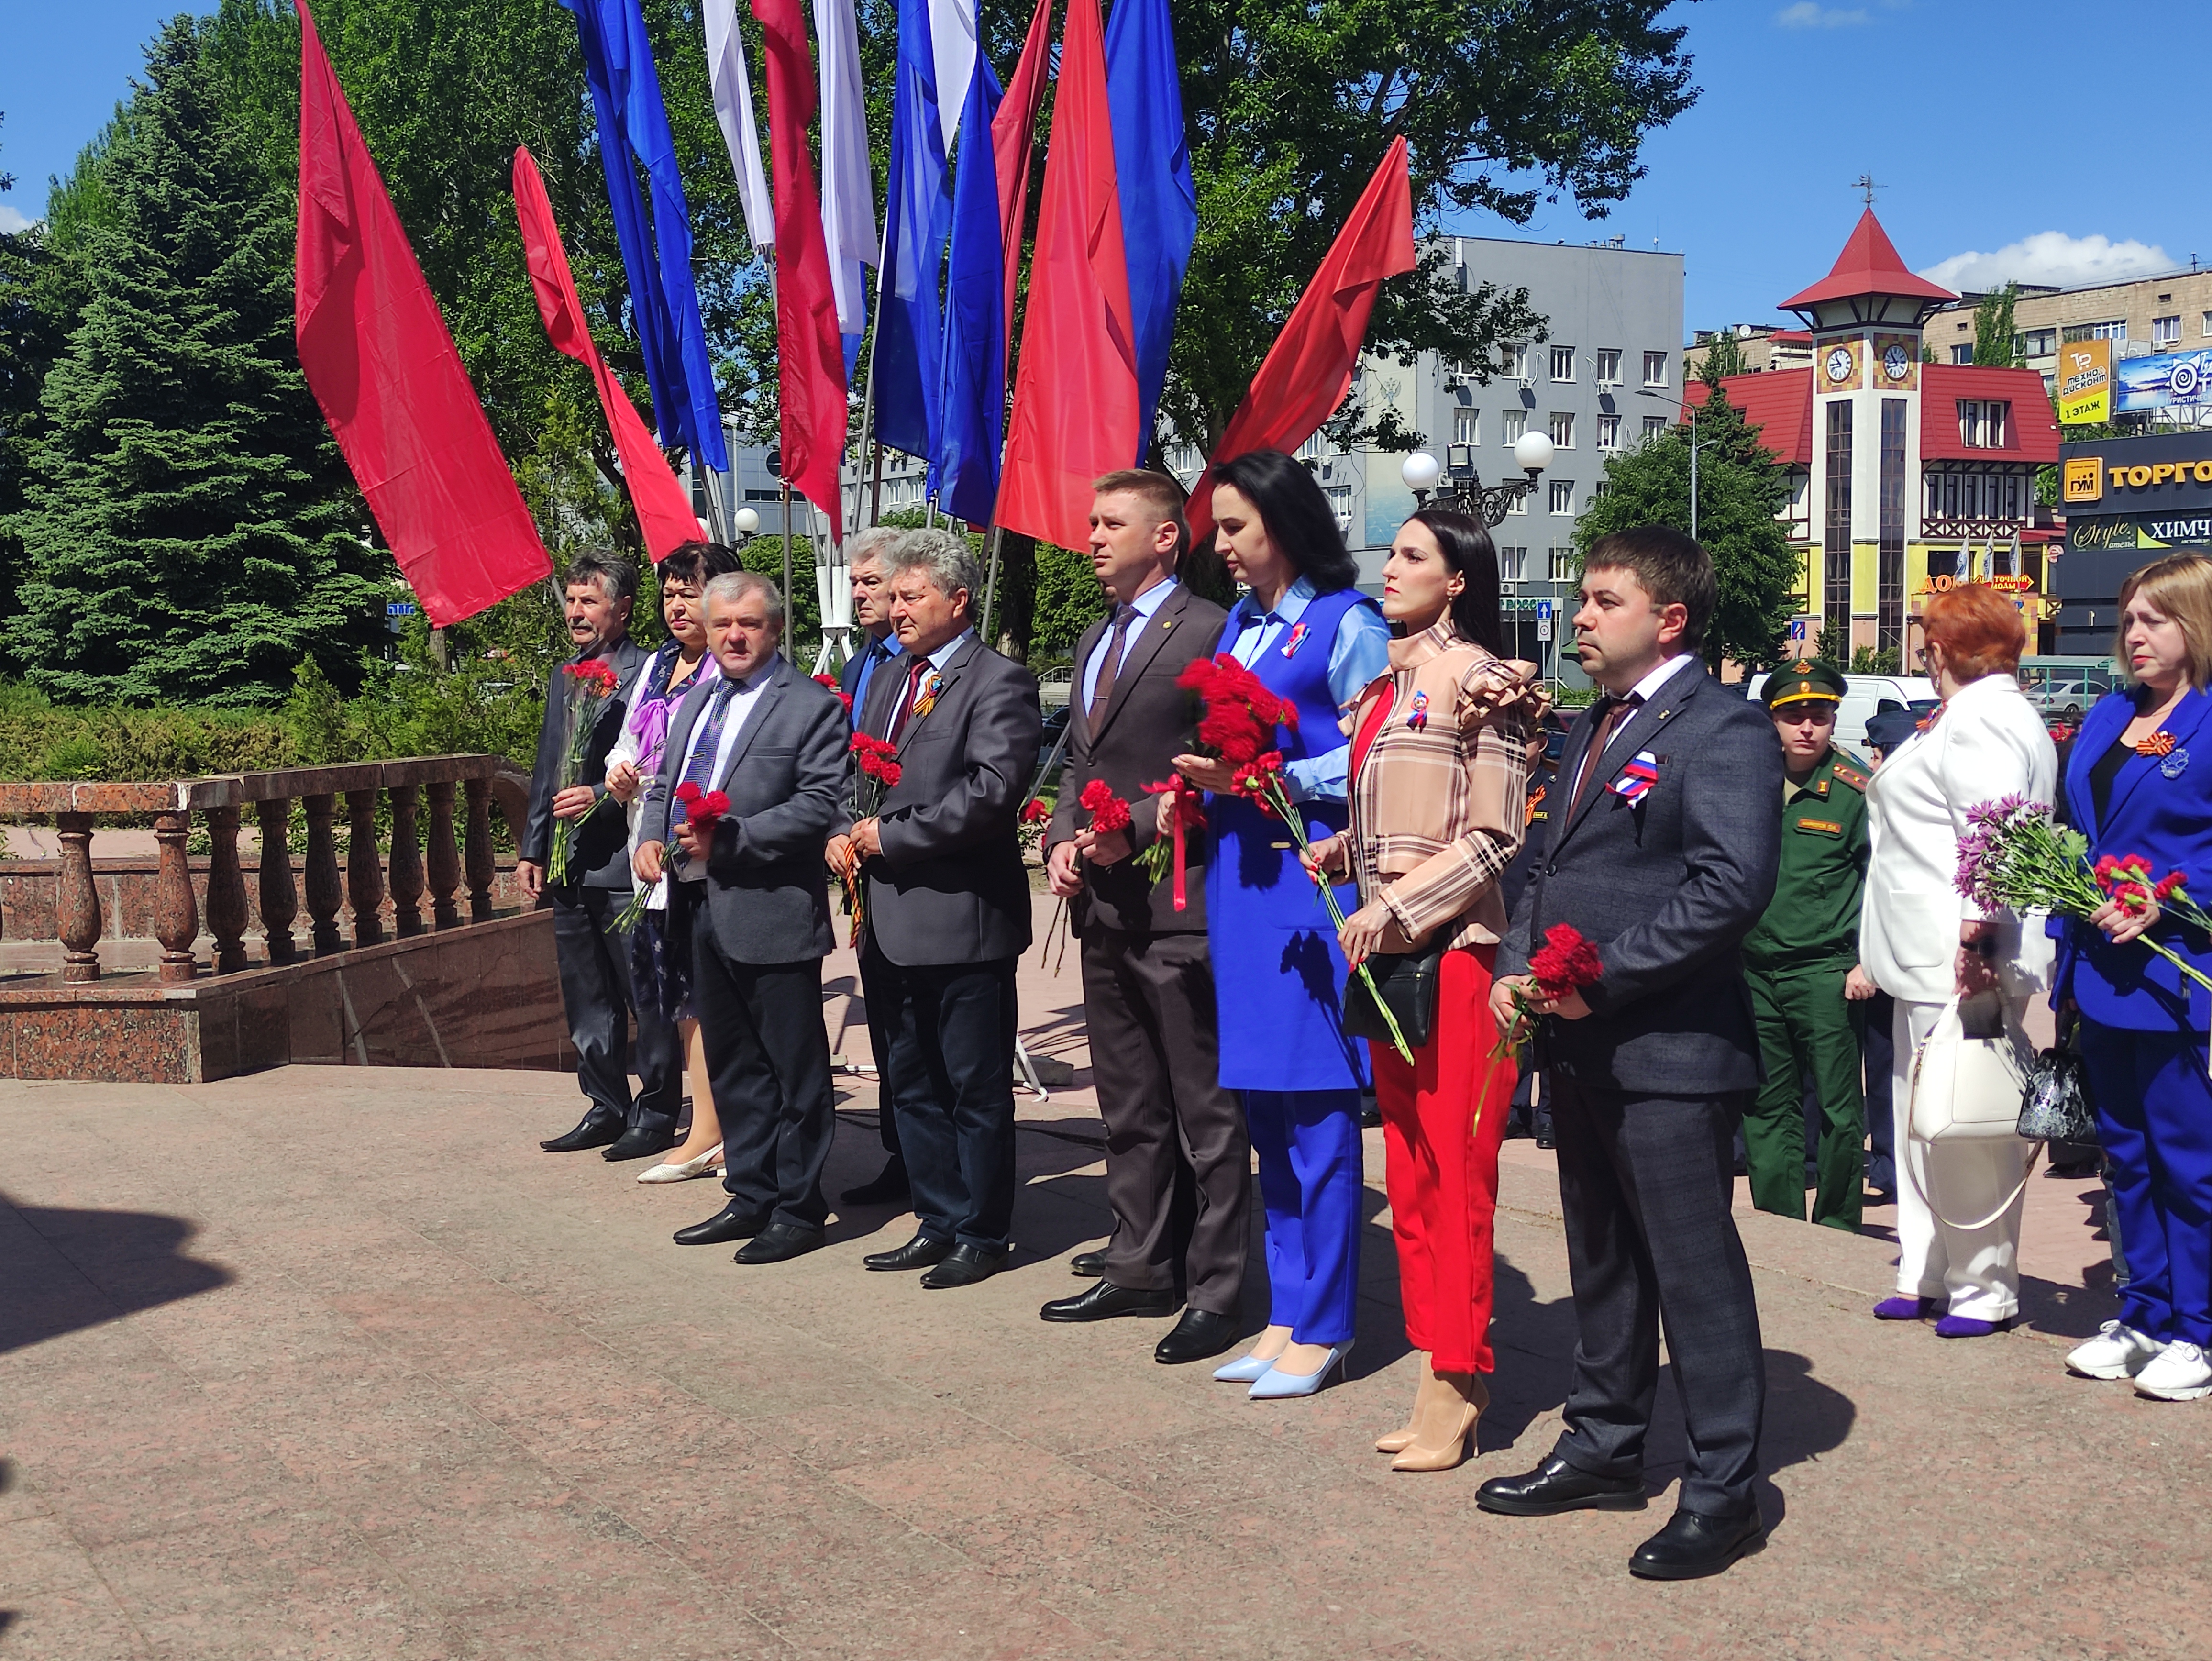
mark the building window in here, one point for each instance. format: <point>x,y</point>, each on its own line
<point>1653,426</point>
<point>1963,353</point>
<point>1310,450</point>
<point>1563,363</point>
<point>2208,325</point>
<point>1513,359</point>
<point>1608,366</point>
<point>2165,332</point>
<point>1466,426</point>
<point>1836,543</point>
<point>1889,559</point>
<point>1655,368</point>
<point>1563,428</point>
<point>1511,424</point>
<point>1563,565</point>
<point>1339,498</point>
<point>1983,422</point>
<point>1563,496</point>
<point>1512,564</point>
<point>2038,343</point>
<point>1601,490</point>
<point>1608,432</point>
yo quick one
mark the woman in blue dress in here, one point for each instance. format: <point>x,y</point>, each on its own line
<point>1316,642</point>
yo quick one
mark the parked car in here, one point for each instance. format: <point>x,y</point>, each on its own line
<point>1869,695</point>
<point>2066,693</point>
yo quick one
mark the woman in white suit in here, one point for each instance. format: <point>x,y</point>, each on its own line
<point>1922,943</point>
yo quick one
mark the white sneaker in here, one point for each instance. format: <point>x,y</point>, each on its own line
<point>2179,1372</point>
<point>2118,1351</point>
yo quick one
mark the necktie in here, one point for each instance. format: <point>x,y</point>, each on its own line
<point>1103,691</point>
<point>707,738</point>
<point>904,708</point>
<point>1609,717</point>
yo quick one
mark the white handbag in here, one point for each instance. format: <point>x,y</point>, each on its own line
<point>1969,1076</point>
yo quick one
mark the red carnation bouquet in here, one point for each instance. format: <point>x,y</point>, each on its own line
<point>876,774</point>
<point>843,697</point>
<point>700,808</point>
<point>1237,724</point>
<point>1566,962</point>
<point>1108,812</point>
<point>1189,819</point>
<point>594,682</point>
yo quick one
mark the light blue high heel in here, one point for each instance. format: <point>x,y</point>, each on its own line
<point>1244,1370</point>
<point>1273,1386</point>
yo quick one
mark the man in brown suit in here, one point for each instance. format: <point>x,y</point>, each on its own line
<point>1147,980</point>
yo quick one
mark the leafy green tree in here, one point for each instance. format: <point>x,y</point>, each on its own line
<point>1997,343</point>
<point>1723,356</point>
<point>1741,488</point>
<point>188,528</point>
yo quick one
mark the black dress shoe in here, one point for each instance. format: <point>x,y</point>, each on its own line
<point>964,1266</point>
<point>1692,1546</point>
<point>781,1242</point>
<point>591,1131</point>
<point>1556,1485</point>
<point>923,1251</point>
<point>724,1226</point>
<point>636,1143</point>
<point>1200,1334</point>
<point>1105,1300</point>
<point>1090,1264</point>
<point>887,1187</point>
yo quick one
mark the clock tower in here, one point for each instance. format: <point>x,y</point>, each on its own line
<point>1865,320</point>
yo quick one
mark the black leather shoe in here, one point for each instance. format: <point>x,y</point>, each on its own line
<point>1692,1546</point>
<point>920,1252</point>
<point>637,1143</point>
<point>964,1266</point>
<point>1090,1264</point>
<point>781,1242</point>
<point>1200,1335</point>
<point>1105,1300</point>
<point>591,1131</point>
<point>1556,1485</point>
<point>887,1187</point>
<point>724,1226</point>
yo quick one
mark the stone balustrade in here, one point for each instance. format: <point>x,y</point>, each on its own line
<point>456,792</point>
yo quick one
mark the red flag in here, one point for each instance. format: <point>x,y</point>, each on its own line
<point>1075,399</point>
<point>380,363</point>
<point>663,511</point>
<point>812,376</point>
<point>1309,369</point>
<point>1014,130</point>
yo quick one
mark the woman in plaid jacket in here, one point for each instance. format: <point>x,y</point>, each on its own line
<point>1440,756</point>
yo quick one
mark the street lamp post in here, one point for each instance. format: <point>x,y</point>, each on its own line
<point>1696,444</point>
<point>1454,483</point>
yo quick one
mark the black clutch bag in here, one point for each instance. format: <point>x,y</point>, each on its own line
<point>1406,982</point>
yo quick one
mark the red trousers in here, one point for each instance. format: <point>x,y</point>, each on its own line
<point>1442,1181</point>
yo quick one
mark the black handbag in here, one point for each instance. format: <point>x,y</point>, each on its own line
<point>1407,983</point>
<point>2057,1107</point>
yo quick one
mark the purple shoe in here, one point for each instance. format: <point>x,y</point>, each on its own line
<point>1966,1326</point>
<point>1903,1308</point>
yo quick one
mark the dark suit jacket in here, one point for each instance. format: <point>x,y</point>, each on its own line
<point>599,851</point>
<point>950,887</point>
<point>1147,721</point>
<point>848,678</point>
<point>767,888</point>
<point>1666,889</point>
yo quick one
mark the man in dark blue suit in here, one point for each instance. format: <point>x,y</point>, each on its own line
<point>1662,853</point>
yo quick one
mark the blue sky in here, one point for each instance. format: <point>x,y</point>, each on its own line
<point>1955,106</point>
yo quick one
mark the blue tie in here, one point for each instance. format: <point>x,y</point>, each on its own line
<point>700,768</point>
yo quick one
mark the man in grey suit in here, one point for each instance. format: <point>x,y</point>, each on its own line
<point>594,964</point>
<point>1662,853</point>
<point>947,905</point>
<point>748,896</point>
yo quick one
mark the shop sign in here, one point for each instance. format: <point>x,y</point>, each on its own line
<point>2084,389</point>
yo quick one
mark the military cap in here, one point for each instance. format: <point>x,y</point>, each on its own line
<point>1797,682</point>
<point>1891,728</point>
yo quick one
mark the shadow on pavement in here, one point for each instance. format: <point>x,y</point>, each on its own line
<point>68,1270</point>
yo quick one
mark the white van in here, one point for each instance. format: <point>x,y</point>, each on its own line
<point>1868,694</point>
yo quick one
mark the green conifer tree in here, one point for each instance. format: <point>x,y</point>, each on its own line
<point>190,531</point>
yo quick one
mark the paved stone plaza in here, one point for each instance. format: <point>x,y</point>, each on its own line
<point>332,1362</point>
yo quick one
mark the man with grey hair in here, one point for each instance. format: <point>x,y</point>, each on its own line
<point>947,907</point>
<point>594,963</point>
<point>870,573</point>
<point>749,900</point>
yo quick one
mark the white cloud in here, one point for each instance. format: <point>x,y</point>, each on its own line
<point>1805,14</point>
<point>2051,257</point>
<point>11,220</point>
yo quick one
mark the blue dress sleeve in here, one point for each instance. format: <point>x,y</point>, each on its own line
<point>1360,652</point>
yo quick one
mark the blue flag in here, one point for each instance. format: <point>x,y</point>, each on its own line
<point>917,218</point>
<point>1159,202</point>
<point>964,469</point>
<point>633,126</point>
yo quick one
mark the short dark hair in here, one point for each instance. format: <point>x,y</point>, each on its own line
<point>1672,569</point>
<point>1159,492</point>
<point>700,562</point>
<point>1296,515</point>
<point>616,576</point>
<point>1469,551</point>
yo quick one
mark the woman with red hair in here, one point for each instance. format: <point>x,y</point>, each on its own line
<point>1958,1202</point>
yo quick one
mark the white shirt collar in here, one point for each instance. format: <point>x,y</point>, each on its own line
<point>1647,689</point>
<point>943,653</point>
<point>1149,601</point>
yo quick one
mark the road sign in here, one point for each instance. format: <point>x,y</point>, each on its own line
<point>1797,628</point>
<point>1543,610</point>
<point>400,608</point>
<point>1543,627</point>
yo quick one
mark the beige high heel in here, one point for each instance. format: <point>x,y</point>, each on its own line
<point>1397,1441</point>
<point>1465,1404</point>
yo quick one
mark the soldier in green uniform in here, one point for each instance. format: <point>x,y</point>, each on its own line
<point>1795,961</point>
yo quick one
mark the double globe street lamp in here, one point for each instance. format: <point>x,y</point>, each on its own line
<point>1454,483</point>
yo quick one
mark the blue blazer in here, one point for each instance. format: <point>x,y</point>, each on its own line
<point>2161,808</point>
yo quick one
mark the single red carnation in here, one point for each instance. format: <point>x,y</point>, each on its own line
<point>2172,883</point>
<point>1564,962</point>
<point>1035,814</point>
<point>1108,812</point>
<point>687,793</point>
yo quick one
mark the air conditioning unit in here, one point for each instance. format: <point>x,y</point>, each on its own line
<point>1508,588</point>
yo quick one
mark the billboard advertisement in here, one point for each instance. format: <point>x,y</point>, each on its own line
<point>2084,389</point>
<point>2162,382</point>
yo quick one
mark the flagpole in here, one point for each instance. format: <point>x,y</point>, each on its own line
<point>787,552</point>
<point>991,586</point>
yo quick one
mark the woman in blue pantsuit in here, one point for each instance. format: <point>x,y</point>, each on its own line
<point>1313,640</point>
<point>2140,781</point>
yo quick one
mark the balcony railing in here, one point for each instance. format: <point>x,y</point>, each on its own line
<point>446,785</point>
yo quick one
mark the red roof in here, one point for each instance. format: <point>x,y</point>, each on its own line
<point>1867,266</point>
<point>1779,403</point>
<point>2032,434</point>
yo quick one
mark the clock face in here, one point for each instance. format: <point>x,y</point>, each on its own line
<point>1895,363</point>
<point>1839,364</point>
